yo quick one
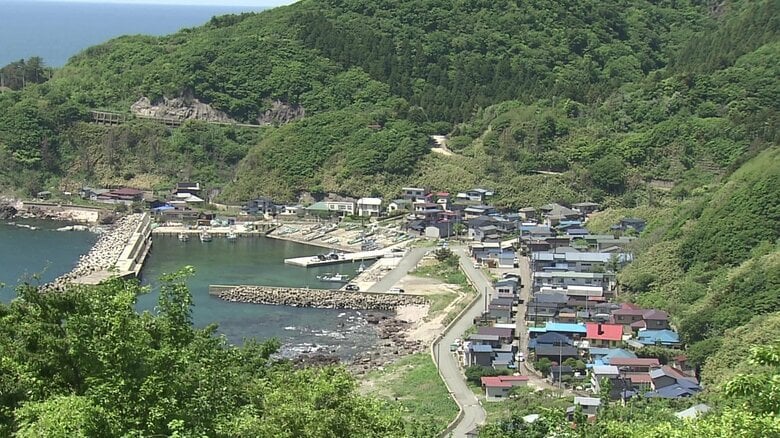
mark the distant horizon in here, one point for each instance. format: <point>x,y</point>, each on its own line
<point>227,3</point>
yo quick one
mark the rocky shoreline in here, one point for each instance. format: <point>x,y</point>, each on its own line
<point>316,298</point>
<point>393,344</point>
<point>103,255</point>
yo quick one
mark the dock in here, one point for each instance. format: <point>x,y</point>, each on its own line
<point>312,261</point>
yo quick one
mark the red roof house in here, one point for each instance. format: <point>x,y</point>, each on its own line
<point>604,335</point>
<point>499,386</point>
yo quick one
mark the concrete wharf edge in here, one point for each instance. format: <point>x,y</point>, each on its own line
<point>310,261</point>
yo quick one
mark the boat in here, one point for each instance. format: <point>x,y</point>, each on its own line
<point>232,236</point>
<point>336,278</point>
<point>361,268</point>
<point>183,237</point>
<point>205,236</point>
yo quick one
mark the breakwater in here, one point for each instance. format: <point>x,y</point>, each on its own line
<point>125,244</point>
<point>316,298</point>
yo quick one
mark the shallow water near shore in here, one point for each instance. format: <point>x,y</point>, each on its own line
<point>258,261</point>
<point>43,253</point>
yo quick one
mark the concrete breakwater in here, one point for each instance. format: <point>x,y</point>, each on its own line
<point>101,261</point>
<point>317,298</point>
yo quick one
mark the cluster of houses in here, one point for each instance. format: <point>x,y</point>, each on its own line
<point>570,310</point>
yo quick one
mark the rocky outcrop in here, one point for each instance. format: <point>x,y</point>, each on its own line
<point>180,109</point>
<point>317,298</point>
<point>7,211</point>
<point>393,344</point>
<point>281,113</point>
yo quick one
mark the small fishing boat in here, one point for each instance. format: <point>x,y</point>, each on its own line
<point>183,237</point>
<point>361,268</point>
<point>232,236</point>
<point>336,278</point>
<point>205,236</point>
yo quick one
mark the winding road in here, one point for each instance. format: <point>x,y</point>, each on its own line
<point>473,413</point>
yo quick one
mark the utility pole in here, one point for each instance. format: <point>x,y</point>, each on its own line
<point>560,365</point>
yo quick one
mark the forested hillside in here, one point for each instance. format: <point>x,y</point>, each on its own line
<point>605,93</point>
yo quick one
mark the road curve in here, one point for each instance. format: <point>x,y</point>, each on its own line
<point>473,413</point>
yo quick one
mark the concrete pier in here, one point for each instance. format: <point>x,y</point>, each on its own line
<point>129,261</point>
<point>350,257</point>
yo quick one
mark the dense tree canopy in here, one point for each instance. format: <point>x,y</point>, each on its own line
<point>85,363</point>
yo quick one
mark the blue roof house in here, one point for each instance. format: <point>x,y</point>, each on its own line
<point>659,337</point>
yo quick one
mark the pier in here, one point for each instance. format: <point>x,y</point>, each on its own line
<point>131,258</point>
<point>311,261</point>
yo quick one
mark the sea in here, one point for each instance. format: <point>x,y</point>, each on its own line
<point>42,254</point>
<point>57,30</point>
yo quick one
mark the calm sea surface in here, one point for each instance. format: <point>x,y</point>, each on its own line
<point>249,260</point>
<point>56,31</point>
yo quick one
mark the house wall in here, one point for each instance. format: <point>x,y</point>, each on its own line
<point>491,391</point>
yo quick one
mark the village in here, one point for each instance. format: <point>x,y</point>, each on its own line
<point>553,317</point>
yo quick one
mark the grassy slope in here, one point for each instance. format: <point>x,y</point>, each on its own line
<point>415,383</point>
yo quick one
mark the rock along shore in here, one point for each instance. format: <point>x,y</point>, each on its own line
<point>316,298</point>
<point>104,254</point>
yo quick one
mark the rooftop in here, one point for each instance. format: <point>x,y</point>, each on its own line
<point>604,332</point>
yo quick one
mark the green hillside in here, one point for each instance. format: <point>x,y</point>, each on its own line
<point>579,88</point>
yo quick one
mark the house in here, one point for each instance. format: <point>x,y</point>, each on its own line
<point>443,199</point>
<point>500,386</point>
<point>369,207</point>
<point>668,382</point>
<point>504,360</point>
<point>636,365</point>
<point>476,211</point>
<point>187,187</point>
<point>590,405</point>
<point>500,312</point>
<point>485,339</point>
<point>615,353</point>
<point>121,196</point>
<point>506,287</point>
<point>555,213</point>
<point>259,206</point>
<point>505,335</point>
<point>480,354</point>
<point>655,320</point>
<point>545,306</point>
<point>527,213</point>
<point>666,338</point>
<point>474,195</point>
<point>638,318</point>
<point>186,198</point>
<point>485,233</point>
<point>413,194</point>
<point>573,330</point>
<point>604,335</point>
<point>632,223</point>
<point>557,373</point>
<point>567,278</point>
<point>91,193</point>
<point>398,206</point>
<point>439,229</point>
<point>577,261</point>
<point>556,353</point>
<point>611,373</point>
<point>550,339</point>
<point>426,210</point>
<point>585,208</point>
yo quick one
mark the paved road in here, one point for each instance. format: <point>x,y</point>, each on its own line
<point>473,413</point>
<point>408,263</point>
<point>525,295</point>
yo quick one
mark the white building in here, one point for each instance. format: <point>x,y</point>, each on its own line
<point>343,207</point>
<point>369,206</point>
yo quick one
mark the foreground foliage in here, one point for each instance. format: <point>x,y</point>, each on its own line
<point>85,363</point>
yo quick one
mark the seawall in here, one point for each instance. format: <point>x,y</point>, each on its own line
<point>317,298</point>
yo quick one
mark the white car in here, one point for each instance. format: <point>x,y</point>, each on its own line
<point>396,290</point>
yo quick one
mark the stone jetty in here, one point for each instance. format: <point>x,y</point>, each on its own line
<point>104,254</point>
<point>317,298</point>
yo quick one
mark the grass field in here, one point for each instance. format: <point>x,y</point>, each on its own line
<point>414,383</point>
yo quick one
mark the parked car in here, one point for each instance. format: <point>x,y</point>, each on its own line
<point>396,290</point>
<point>352,287</point>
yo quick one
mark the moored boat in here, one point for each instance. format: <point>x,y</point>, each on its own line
<point>205,236</point>
<point>232,236</point>
<point>183,237</point>
<point>336,278</point>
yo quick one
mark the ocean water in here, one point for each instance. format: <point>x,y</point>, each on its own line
<point>56,31</point>
<point>249,260</point>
